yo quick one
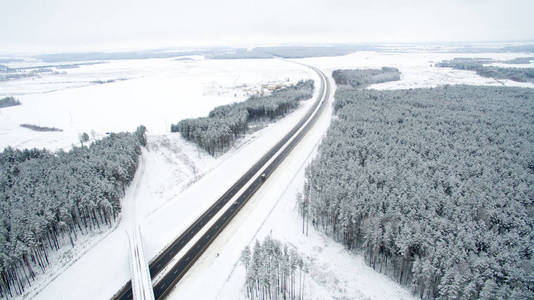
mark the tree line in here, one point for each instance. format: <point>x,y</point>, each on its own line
<point>217,132</point>
<point>433,186</point>
<point>9,101</point>
<point>40,128</point>
<point>519,60</point>
<point>49,199</point>
<point>360,78</point>
<point>477,65</point>
<point>273,271</point>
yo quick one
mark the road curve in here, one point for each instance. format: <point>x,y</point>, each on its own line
<point>273,158</point>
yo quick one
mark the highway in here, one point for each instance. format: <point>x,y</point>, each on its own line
<point>240,191</point>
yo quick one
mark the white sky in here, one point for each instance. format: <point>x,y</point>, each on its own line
<point>42,25</point>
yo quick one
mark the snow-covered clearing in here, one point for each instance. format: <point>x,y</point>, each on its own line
<point>176,182</point>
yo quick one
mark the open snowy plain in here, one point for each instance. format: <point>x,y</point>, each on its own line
<point>120,95</point>
<point>175,181</point>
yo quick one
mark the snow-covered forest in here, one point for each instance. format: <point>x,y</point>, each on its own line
<point>477,65</point>
<point>363,77</point>
<point>433,186</point>
<point>519,60</point>
<point>217,132</point>
<point>49,199</point>
<point>273,271</point>
<point>8,101</point>
<point>39,128</point>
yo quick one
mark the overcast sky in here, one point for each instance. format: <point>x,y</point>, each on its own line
<point>44,25</point>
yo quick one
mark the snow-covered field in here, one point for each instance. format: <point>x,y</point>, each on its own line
<point>176,182</point>
<point>417,68</point>
<point>152,92</point>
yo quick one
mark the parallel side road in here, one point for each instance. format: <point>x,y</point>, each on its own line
<point>289,141</point>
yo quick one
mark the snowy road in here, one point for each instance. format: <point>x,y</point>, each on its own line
<point>225,250</point>
<point>255,182</point>
<point>195,239</point>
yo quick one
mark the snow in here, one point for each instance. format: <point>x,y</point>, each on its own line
<point>175,216</point>
<point>417,68</point>
<point>503,65</point>
<point>168,165</point>
<point>168,192</point>
<point>334,272</point>
<point>176,182</point>
<point>156,93</point>
<point>272,211</point>
<point>139,271</point>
